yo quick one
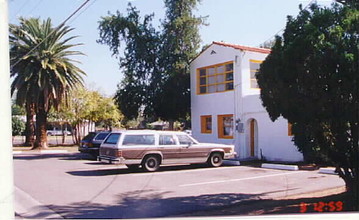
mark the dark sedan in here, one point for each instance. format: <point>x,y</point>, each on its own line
<point>92,141</point>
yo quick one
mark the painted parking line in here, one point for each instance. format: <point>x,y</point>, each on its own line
<point>167,172</point>
<point>241,179</point>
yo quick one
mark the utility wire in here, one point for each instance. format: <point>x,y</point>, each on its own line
<point>87,7</point>
<point>21,7</point>
<point>53,31</point>
<point>284,27</point>
<point>35,7</point>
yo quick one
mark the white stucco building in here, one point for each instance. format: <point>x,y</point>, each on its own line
<point>226,105</point>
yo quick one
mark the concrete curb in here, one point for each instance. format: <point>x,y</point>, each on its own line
<point>42,152</point>
<point>328,170</point>
<point>280,166</point>
<point>17,152</point>
<point>27,207</point>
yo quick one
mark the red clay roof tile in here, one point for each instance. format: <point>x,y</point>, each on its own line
<point>235,46</point>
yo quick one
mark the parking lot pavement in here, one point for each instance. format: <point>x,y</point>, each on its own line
<point>75,187</point>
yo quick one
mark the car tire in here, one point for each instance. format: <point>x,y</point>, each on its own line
<point>94,154</point>
<point>151,163</point>
<point>215,160</point>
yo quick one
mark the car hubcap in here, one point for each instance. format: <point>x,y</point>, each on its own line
<point>151,163</point>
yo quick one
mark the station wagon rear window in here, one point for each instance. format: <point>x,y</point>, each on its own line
<point>142,139</point>
<point>101,136</point>
<point>112,139</point>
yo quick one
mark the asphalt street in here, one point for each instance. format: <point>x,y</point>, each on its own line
<point>72,186</point>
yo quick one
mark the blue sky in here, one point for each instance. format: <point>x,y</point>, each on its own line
<point>244,22</point>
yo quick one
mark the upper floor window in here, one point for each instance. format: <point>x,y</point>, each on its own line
<point>254,68</point>
<point>216,78</point>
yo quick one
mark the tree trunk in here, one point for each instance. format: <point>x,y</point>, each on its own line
<point>63,137</point>
<point>352,186</point>
<point>30,128</point>
<point>171,124</point>
<point>41,137</point>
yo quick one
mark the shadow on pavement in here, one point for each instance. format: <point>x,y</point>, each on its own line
<point>150,204</point>
<point>124,170</point>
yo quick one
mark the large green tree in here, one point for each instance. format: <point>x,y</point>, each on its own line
<point>140,61</point>
<point>85,107</point>
<point>42,70</point>
<point>180,44</point>
<point>155,63</point>
<point>311,78</point>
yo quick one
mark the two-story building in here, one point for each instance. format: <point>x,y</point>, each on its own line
<point>226,105</point>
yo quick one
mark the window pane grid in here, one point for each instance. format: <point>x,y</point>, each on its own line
<point>218,78</point>
<point>254,68</point>
<point>225,126</point>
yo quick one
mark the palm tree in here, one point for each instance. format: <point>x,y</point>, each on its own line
<point>43,74</point>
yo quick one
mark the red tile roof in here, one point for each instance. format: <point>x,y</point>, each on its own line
<point>239,47</point>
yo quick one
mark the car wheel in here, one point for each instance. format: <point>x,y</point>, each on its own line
<point>151,163</point>
<point>215,160</point>
<point>133,166</point>
<point>94,154</point>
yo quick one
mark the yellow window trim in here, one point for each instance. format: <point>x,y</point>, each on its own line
<point>254,61</point>
<point>204,125</point>
<point>220,126</point>
<point>215,65</point>
<point>215,75</point>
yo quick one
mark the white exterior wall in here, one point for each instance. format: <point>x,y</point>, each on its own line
<point>211,104</point>
<point>271,140</point>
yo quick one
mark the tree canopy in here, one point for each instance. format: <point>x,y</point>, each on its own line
<point>42,70</point>
<point>155,63</point>
<point>86,106</point>
<point>311,78</point>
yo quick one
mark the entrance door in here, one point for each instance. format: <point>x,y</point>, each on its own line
<point>253,137</point>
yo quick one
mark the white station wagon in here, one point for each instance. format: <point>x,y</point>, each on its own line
<point>149,149</point>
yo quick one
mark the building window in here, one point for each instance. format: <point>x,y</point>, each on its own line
<point>254,68</point>
<point>206,124</point>
<point>216,78</point>
<point>290,133</point>
<point>225,126</point>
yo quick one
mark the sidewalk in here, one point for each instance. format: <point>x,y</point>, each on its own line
<point>28,207</point>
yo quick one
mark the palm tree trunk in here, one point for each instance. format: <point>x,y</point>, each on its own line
<point>30,127</point>
<point>41,137</point>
